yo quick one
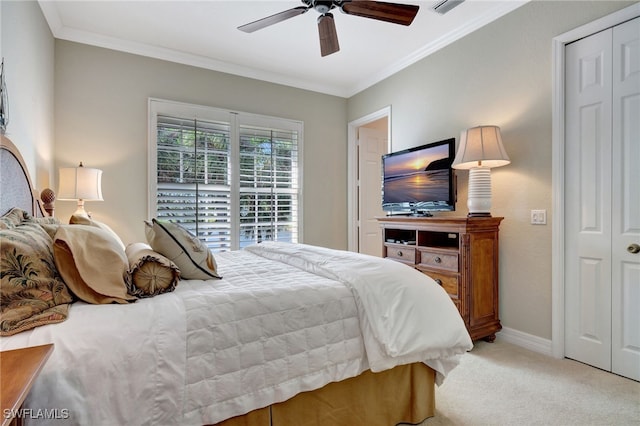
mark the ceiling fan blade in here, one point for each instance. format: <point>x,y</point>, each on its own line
<point>328,35</point>
<point>273,19</point>
<point>395,13</point>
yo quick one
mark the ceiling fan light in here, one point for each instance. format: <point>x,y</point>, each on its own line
<point>323,6</point>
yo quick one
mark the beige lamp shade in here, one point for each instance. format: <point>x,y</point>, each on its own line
<point>81,184</point>
<point>480,147</point>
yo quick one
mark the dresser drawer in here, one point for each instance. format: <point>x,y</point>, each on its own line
<point>402,253</point>
<point>448,282</point>
<point>439,260</point>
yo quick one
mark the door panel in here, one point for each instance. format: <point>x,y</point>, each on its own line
<point>626,200</point>
<point>588,201</point>
<point>372,144</point>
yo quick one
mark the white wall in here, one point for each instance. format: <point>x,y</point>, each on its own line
<point>28,51</point>
<point>500,74</point>
<point>101,120</point>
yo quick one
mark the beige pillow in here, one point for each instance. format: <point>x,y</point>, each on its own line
<point>192,256</point>
<point>150,272</point>
<point>92,264</point>
<point>78,219</point>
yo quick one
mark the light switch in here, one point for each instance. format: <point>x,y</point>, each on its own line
<point>538,217</point>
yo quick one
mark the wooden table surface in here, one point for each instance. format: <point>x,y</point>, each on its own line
<point>18,370</point>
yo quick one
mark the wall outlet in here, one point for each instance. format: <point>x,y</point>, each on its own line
<point>538,217</point>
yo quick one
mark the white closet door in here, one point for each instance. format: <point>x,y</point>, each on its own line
<point>625,348</point>
<point>588,200</point>
<point>602,203</point>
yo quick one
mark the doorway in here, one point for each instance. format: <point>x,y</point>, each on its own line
<point>594,292</point>
<point>368,139</point>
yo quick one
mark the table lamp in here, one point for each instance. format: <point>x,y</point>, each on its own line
<point>81,184</point>
<point>479,151</point>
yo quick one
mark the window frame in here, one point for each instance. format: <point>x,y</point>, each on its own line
<point>235,119</point>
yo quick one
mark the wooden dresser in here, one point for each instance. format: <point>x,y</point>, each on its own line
<point>461,254</point>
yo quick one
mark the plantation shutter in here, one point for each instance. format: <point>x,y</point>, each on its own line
<point>268,185</point>
<point>193,187</point>
<point>232,179</point>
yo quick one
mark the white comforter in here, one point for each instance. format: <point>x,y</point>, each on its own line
<point>283,320</point>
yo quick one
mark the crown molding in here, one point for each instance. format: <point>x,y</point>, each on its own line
<point>60,31</point>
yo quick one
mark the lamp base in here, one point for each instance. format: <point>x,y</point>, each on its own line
<point>80,211</point>
<point>479,198</point>
<point>478,214</point>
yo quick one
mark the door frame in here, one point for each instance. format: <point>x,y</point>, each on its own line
<point>352,170</point>
<point>558,160</point>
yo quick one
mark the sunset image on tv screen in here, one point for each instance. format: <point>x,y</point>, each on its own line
<point>417,176</point>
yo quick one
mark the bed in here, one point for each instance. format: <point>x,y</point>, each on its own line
<point>288,334</point>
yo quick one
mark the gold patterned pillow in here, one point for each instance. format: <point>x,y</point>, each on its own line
<point>32,293</point>
<point>150,272</point>
<point>16,216</point>
<point>13,218</point>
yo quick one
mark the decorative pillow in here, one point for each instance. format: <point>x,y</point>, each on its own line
<point>190,254</point>
<point>47,221</point>
<point>14,217</point>
<point>78,219</point>
<point>150,273</point>
<point>32,292</point>
<point>92,264</point>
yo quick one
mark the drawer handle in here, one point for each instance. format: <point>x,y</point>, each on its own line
<point>399,253</point>
<point>438,281</point>
<point>437,259</point>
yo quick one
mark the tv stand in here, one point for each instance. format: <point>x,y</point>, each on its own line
<point>414,213</point>
<point>460,254</point>
<point>420,214</point>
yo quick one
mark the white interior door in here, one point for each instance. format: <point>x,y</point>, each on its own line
<point>588,201</point>
<point>372,145</point>
<point>625,227</point>
<point>602,207</point>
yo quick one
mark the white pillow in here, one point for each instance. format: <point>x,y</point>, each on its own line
<point>192,256</point>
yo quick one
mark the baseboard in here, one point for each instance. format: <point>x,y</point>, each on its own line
<point>527,341</point>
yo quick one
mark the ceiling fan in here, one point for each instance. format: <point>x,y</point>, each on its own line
<point>395,13</point>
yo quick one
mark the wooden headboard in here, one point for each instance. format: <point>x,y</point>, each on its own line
<point>16,189</point>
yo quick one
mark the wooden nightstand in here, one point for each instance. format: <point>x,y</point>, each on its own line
<point>19,368</point>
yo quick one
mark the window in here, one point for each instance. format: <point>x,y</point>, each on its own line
<point>233,179</point>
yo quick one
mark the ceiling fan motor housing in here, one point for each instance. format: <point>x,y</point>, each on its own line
<point>321,6</point>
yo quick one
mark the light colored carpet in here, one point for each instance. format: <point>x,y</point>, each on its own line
<point>503,384</point>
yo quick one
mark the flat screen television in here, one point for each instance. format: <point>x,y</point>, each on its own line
<point>420,180</point>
